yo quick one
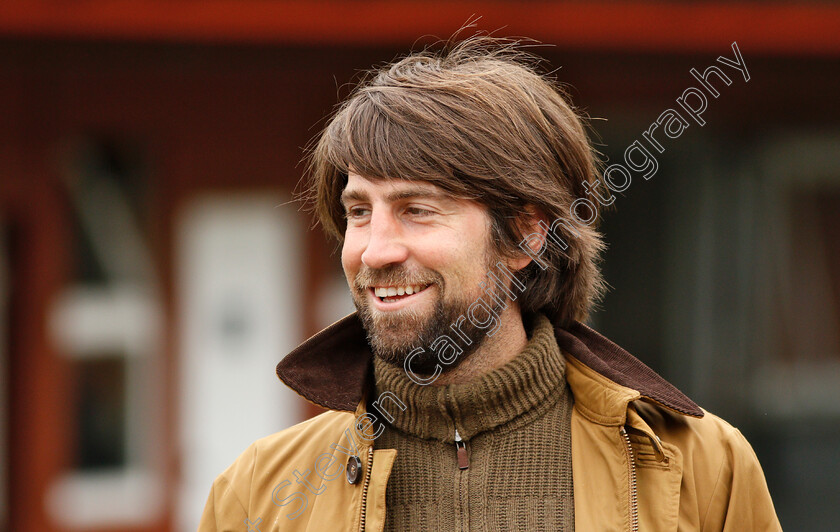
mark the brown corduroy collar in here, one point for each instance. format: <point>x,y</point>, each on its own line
<point>333,368</point>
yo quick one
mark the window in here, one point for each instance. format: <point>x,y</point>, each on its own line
<point>108,324</point>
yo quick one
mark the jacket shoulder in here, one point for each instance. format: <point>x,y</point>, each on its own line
<point>266,461</point>
<point>289,447</point>
<point>720,471</point>
<point>710,437</point>
<point>663,419</point>
<point>308,436</point>
<point>707,444</point>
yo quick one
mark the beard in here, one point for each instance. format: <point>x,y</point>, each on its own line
<point>394,335</point>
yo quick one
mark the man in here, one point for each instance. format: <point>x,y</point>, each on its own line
<point>465,393</point>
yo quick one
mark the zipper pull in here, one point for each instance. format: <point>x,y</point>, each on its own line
<point>463,454</point>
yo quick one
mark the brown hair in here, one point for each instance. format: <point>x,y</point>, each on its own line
<point>480,122</point>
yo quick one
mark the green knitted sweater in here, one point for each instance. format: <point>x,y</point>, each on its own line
<point>515,422</point>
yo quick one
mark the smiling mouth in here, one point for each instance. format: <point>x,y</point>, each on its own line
<point>389,294</point>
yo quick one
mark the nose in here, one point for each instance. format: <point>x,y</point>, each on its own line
<point>386,241</point>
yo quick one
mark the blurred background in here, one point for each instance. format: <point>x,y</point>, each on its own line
<point>152,271</point>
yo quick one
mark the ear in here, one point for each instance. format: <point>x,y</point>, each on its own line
<point>533,237</point>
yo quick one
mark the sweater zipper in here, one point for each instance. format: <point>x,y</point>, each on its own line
<point>461,483</point>
<point>634,495</point>
<point>365,488</point>
<point>461,452</point>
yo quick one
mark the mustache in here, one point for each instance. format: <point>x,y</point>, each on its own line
<point>393,276</point>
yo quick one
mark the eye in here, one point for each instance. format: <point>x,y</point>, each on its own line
<point>418,211</point>
<point>356,212</point>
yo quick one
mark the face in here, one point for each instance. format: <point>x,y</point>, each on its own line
<point>414,258</point>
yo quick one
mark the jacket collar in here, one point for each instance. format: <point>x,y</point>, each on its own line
<point>333,368</point>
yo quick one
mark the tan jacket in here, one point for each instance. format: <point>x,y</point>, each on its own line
<point>644,456</point>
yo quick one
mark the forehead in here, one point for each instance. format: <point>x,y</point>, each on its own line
<point>359,187</point>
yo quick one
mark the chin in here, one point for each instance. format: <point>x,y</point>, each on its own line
<point>423,364</point>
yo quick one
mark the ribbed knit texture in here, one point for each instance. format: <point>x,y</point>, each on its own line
<point>516,422</point>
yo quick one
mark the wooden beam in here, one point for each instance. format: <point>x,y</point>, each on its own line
<point>773,28</point>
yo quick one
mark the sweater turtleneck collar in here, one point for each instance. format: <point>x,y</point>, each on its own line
<point>510,395</point>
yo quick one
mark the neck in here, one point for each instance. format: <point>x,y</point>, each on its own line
<point>496,351</point>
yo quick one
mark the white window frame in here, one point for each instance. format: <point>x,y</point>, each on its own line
<point>114,321</point>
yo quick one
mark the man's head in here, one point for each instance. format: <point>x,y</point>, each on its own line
<point>474,132</point>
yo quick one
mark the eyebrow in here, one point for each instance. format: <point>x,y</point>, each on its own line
<point>397,195</point>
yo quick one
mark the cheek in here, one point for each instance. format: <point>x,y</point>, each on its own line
<point>351,255</point>
<point>354,246</point>
<point>458,257</point>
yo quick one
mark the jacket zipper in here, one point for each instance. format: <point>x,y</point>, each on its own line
<point>365,488</point>
<point>461,451</point>
<point>634,494</point>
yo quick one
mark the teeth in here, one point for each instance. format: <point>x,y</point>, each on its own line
<point>382,291</point>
